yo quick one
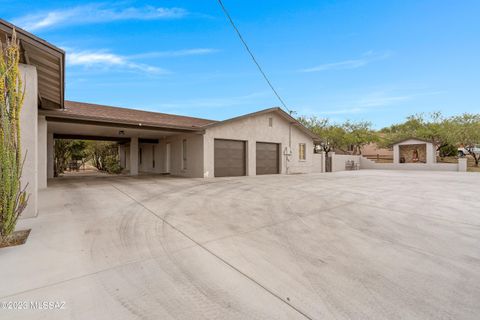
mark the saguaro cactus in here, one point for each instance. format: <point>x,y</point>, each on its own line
<point>13,196</point>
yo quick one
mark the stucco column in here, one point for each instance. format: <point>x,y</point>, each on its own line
<point>332,161</point>
<point>50,155</point>
<point>462,164</point>
<point>251,158</point>
<point>29,138</point>
<point>430,153</point>
<point>396,153</point>
<point>134,156</point>
<point>42,152</point>
<point>324,160</point>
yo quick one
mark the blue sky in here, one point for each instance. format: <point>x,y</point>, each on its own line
<point>361,60</point>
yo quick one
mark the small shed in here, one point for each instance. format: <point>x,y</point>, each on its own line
<point>414,150</point>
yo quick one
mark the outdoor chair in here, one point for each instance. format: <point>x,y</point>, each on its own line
<point>351,165</point>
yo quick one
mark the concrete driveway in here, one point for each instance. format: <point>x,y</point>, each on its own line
<point>348,245</point>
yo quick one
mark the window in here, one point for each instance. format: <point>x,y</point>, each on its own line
<point>140,156</point>
<point>301,152</point>
<point>184,154</point>
<point>270,122</point>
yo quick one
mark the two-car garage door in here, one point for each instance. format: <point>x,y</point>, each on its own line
<point>230,158</point>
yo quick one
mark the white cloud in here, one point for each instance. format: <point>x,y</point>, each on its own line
<point>366,59</point>
<point>373,100</point>
<point>175,53</point>
<point>95,13</point>
<point>106,59</point>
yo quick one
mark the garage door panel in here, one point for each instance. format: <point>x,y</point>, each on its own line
<point>229,158</point>
<point>267,158</point>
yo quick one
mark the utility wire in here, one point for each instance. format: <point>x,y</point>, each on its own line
<point>252,56</point>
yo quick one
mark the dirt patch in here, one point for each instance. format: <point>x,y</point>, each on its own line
<point>15,239</point>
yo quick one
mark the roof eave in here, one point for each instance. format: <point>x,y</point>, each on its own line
<point>55,116</point>
<point>277,110</point>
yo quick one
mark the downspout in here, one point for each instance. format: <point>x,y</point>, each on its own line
<point>289,151</point>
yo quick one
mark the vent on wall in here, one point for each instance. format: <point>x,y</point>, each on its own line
<point>270,122</point>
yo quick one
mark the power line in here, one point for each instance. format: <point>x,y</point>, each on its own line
<point>252,56</point>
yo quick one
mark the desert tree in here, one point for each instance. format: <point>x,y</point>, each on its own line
<point>332,136</point>
<point>433,127</point>
<point>358,134</point>
<point>466,131</point>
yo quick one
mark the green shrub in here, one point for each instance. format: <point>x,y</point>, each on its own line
<point>448,151</point>
<point>112,165</point>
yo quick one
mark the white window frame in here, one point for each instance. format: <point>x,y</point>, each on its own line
<point>304,145</point>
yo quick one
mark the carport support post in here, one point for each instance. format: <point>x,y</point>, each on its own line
<point>396,153</point>
<point>324,160</point>
<point>134,156</point>
<point>50,155</point>
<point>462,164</point>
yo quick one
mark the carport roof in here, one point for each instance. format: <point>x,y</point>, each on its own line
<point>100,113</point>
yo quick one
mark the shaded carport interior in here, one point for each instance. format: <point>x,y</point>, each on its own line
<point>131,128</point>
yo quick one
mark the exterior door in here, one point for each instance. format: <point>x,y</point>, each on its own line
<point>268,157</point>
<point>229,158</point>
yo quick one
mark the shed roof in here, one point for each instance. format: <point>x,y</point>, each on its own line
<point>411,138</point>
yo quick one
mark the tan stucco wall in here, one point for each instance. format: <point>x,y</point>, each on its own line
<point>256,129</point>
<point>369,164</point>
<point>151,152</point>
<point>339,161</point>
<point>42,152</point>
<point>318,163</point>
<point>194,168</point>
<point>29,137</point>
<point>147,157</point>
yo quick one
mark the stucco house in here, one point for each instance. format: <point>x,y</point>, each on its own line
<point>269,141</point>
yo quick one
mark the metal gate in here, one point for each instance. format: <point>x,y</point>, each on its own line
<point>328,163</point>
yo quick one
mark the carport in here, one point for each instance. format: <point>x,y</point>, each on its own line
<point>147,141</point>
